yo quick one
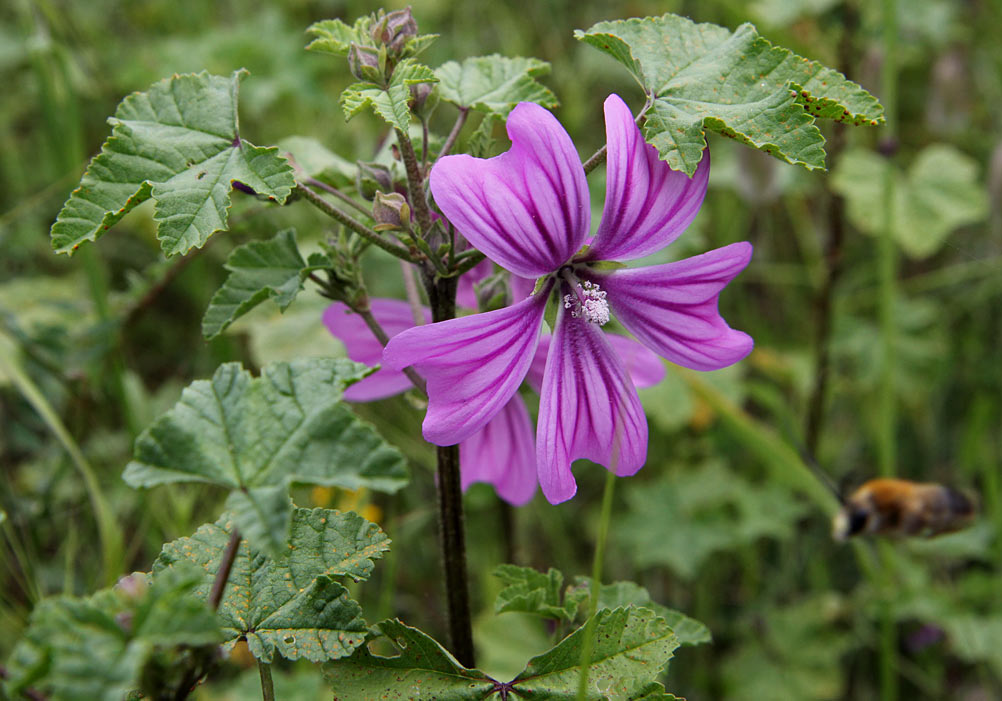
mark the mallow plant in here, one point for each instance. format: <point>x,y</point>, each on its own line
<point>512,289</point>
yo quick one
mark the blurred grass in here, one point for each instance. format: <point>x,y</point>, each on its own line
<point>793,615</point>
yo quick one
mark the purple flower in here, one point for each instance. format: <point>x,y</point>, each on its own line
<point>502,453</point>
<point>528,211</point>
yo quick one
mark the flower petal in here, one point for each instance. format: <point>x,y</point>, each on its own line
<point>363,347</point>
<point>503,453</point>
<point>588,408</point>
<point>526,209</point>
<point>647,204</point>
<point>466,294</point>
<point>643,366</point>
<point>672,308</point>
<point>473,365</point>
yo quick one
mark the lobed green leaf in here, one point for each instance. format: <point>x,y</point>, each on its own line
<point>178,143</point>
<point>258,435</point>
<point>292,606</point>
<point>632,646</point>
<point>494,84</point>
<point>423,670</point>
<point>335,37</point>
<point>392,103</point>
<point>530,591</point>
<point>703,76</point>
<point>258,270</point>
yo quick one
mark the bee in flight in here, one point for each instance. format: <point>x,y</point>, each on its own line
<point>898,507</point>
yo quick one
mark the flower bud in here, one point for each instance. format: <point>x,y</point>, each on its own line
<point>424,99</point>
<point>372,178</point>
<point>365,64</point>
<point>390,211</point>
<point>394,30</point>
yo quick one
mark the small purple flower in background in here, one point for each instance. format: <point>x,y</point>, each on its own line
<point>528,211</point>
<point>502,453</point>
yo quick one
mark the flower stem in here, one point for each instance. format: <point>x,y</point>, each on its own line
<point>450,140</point>
<point>383,338</point>
<point>588,644</point>
<point>358,227</point>
<point>415,183</point>
<point>267,685</point>
<point>597,159</point>
<point>320,184</point>
<point>452,538</point>
<point>225,567</point>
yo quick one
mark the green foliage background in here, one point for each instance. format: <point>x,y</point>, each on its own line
<point>717,525</point>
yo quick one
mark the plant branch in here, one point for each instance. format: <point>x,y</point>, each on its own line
<point>468,262</point>
<point>225,567</point>
<point>450,140</point>
<point>597,159</point>
<point>383,338</point>
<point>415,183</point>
<point>267,685</point>
<point>452,538</point>
<point>313,182</point>
<point>358,227</point>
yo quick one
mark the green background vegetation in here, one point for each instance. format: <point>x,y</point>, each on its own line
<point>715,525</point>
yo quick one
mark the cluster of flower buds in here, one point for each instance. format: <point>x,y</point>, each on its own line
<point>394,29</point>
<point>390,33</point>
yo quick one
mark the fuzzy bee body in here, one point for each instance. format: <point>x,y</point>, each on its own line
<point>899,507</point>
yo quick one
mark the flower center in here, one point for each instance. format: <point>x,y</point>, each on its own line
<point>587,301</point>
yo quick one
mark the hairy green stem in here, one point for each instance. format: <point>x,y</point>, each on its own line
<point>451,528</point>
<point>468,262</point>
<point>320,184</point>
<point>588,643</point>
<point>267,685</point>
<point>358,227</point>
<point>415,183</point>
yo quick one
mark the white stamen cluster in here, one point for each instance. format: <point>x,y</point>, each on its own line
<point>588,303</point>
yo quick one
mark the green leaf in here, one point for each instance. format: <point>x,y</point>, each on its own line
<point>689,631</point>
<point>317,161</point>
<point>702,76</point>
<point>422,670</point>
<point>494,84</point>
<point>293,605</point>
<point>258,270</point>
<point>939,193</point>
<point>530,591</point>
<point>179,144</point>
<point>335,37</point>
<point>392,103</point>
<point>632,645</point>
<point>102,646</point>
<point>258,435</point>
